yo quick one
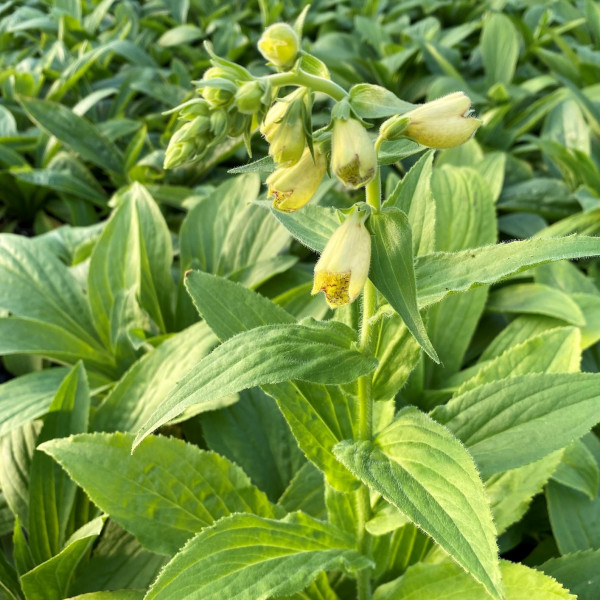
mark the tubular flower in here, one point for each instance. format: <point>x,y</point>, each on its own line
<point>353,157</point>
<point>279,44</point>
<point>442,123</point>
<point>292,187</point>
<point>343,268</point>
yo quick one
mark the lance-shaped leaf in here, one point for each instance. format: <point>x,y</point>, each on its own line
<point>443,273</point>
<point>165,492</point>
<point>392,270</point>
<point>245,557</point>
<point>419,467</point>
<point>580,572</point>
<point>313,351</point>
<point>547,410</point>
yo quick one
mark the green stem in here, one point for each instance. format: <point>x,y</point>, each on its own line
<point>365,402</point>
<point>314,82</point>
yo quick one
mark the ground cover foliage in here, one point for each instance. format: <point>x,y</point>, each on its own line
<point>169,311</point>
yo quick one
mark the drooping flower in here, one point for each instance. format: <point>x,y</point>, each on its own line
<point>353,157</point>
<point>343,268</point>
<point>442,123</point>
<point>279,44</point>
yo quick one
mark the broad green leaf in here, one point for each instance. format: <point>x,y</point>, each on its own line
<point>117,562</point>
<point>253,434</point>
<point>537,299</point>
<point>245,557</point>
<point>131,259</point>
<point>341,510</point>
<point>548,410</point>
<point>575,519</point>
<point>511,492</point>
<point>148,382</point>
<point>51,492</point>
<point>28,336</point>
<point>554,351</point>
<point>398,353</point>
<point>319,589</point>
<point>306,492</point>
<point>313,351</point>
<point>462,198</point>
<point>35,285</point>
<point>419,467</point>
<point>499,49</point>
<point>16,449</point>
<point>9,581</point>
<point>223,304</point>
<point>565,276</point>
<point>163,493</point>
<point>318,415</point>
<point>440,274</point>
<point>27,397</point>
<point>578,469</point>
<point>63,181</point>
<point>74,131</point>
<point>51,579</point>
<point>182,34</point>
<point>414,197</point>
<point>392,270</point>
<point>113,595</point>
<point>445,581</point>
<point>311,226</point>
<point>580,572</point>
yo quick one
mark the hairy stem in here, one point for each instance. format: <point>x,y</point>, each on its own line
<point>314,82</point>
<point>365,399</point>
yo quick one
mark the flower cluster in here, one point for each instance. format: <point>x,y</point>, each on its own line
<point>232,102</point>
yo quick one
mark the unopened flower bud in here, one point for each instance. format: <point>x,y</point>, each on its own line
<point>196,108</point>
<point>279,44</point>
<point>248,97</point>
<point>442,123</point>
<point>343,268</point>
<point>218,95</point>
<point>292,187</point>
<point>394,128</point>
<point>353,157</point>
<point>178,153</point>
<point>283,128</point>
<point>219,123</point>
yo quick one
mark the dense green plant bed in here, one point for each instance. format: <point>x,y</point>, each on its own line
<point>299,301</point>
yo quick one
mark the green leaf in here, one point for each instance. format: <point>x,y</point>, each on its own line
<point>51,579</point>
<point>548,410</point>
<point>440,274</point>
<point>574,518</point>
<point>392,270</point>
<point>51,492</point>
<point>114,595</point>
<point>306,492</point>
<point>74,131</point>
<point>555,351</point>
<point>374,102</point>
<point>148,382</point>
<point>37,286</point>
<point>229,308</point>
<point>511,492</point>
<point>117,562</point>
<point>433,582</point>
<point>420,468</point>
<point>63,181</point>
<point>499,49</point>
<point>17,449</point>
<point>580,571</point>
<point>318,415</point>
<point>251,558</point>
<point>314,351</point>
<point>578,469</point>
<point>163,493</point>
<point>27,397</point>
<point>9,581</point>
<point>537,299</point>
<point>253,434</point>
<point>414,197</point>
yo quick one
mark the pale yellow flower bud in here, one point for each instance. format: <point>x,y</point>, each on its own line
<point>343,268</point>
<point>442,123</point>
<point>279,44</point>
<point>353,157</point>
<point>292,187</point>
<point>283,128</point>
<point>217,96</point>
